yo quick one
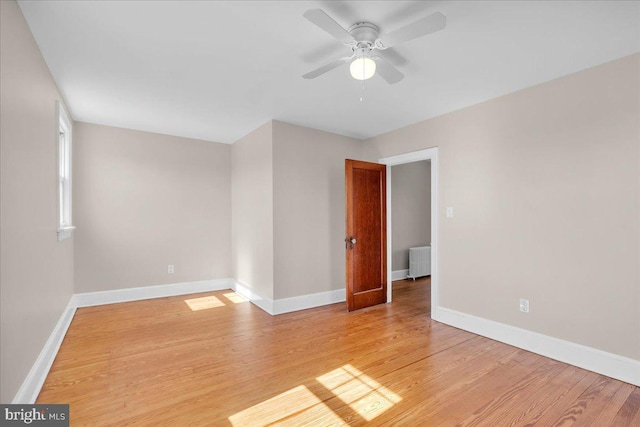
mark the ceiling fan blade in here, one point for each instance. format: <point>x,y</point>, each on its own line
<point>387,71</point>
<point>422,27</point>
<point>324,21</point>
<point>325,68</point>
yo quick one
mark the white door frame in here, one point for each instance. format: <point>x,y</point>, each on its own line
<point>416,156</point>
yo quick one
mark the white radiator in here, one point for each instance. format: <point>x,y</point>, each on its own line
<point>419,262</point>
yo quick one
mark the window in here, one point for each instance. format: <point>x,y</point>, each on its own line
<point>65,227</point>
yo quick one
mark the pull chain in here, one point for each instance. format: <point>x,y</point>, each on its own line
<point>363,70</point>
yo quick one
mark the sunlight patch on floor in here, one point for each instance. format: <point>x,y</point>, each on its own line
<point>235,298</point>
<point>203,303</point>
<point>360,397</point>
<point>286,409</point>
<point>362,393</point>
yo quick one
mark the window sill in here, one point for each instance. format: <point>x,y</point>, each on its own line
<point>65,233</point>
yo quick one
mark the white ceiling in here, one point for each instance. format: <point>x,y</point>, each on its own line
<point>217,70</point>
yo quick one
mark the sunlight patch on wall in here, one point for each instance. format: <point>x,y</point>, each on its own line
<point>203,303</point>
<point>362,393</point>
<point>287,409</point>
<point>235,298</point>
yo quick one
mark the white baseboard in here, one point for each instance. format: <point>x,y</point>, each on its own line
<point>89,299</point>
<point>303,302</point>
<point>245,290</point>
<point>609,364</point>
<point>30,388</point>
<point>288,305</point>
<point>399,274</point>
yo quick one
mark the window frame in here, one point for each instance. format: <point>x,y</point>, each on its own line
<point>64,138</point>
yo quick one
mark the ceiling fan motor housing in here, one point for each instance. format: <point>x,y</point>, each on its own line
<point>364,33</point>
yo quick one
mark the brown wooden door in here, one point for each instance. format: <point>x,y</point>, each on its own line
<point>366,240</point>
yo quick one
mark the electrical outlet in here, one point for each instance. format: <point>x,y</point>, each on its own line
<point>524,305</point>
<point>450,212</point>
<point>170,269</point>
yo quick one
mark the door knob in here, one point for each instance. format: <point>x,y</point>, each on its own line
<point>353,240</point>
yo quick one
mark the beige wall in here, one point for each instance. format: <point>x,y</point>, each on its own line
<point>545,186</point>
<point>309,222</point>
<point>252,210</point>
<point>410,210</point>
<point>36,271</point>
<point>143,201</point>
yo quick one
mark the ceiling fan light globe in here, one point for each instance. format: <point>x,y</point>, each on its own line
<point>362,68</point>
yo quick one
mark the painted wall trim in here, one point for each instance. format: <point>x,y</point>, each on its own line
<point>32,384</point>
<point>30,388</point>
<point>416,156</point>
<point>245,290</point>
<point>609,364</point>
<point>399,274</point>
<point>89,299</point>
<point>288,305</point>
<point>303,302</point>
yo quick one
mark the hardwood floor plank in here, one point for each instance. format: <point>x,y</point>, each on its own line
<point>614,406</point>
<point>629,413</point>
<point>426,374</point>
<point>564,401</point>
<point>486,388</point>
<point>579,406</point>
<point>545,398</point>
<point>158,362</point>
<point>520,395</point>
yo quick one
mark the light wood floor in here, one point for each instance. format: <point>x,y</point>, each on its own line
<point>157,362</point>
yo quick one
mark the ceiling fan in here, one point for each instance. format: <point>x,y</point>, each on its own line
<point>363,38</point>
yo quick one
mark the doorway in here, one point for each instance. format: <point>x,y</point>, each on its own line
<point>430,154</point>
